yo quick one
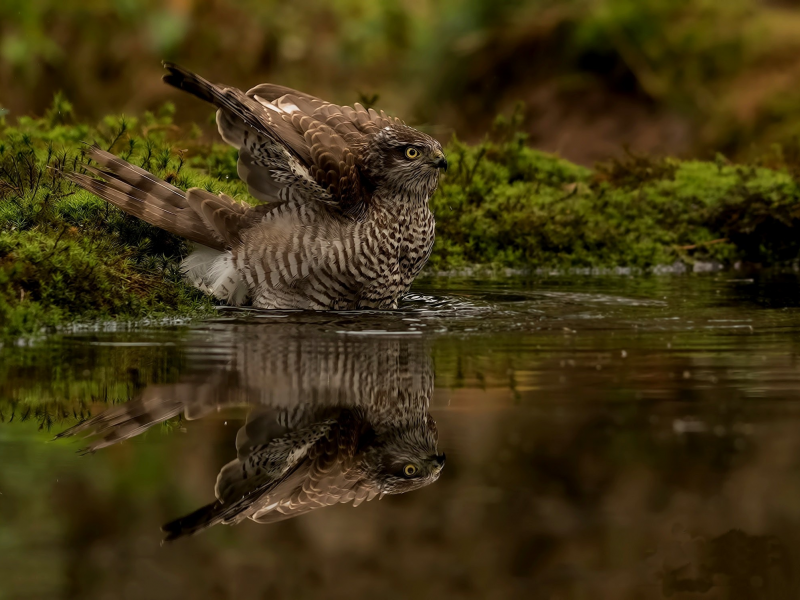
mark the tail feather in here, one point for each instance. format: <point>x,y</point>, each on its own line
<point>149,209</point>
<point>201,519</point>
<point>214,222</point>
<point>221,214</point>
<point>146,182</point>
<point>147,197</point>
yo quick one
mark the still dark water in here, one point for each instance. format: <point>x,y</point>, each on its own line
<point>605,438</point>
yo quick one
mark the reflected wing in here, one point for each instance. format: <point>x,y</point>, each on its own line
<point>263,465</point>
<point>305,469</point>
<point>263,425</point>
<point>244,482</point>
<point>329,476</point>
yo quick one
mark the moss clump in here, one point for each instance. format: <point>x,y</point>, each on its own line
<point>67,255</point>
<point>507,204</point>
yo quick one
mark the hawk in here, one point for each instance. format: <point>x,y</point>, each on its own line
<point>345,222</point>
<point>342,420</point>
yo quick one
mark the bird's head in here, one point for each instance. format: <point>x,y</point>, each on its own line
<point>403,161</point>
<point>404,457</point>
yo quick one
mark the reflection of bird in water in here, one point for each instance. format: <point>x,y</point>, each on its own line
<point>336,456</point>
<point>336,420</point>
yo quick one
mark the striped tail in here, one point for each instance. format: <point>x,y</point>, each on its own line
<point>214,222</point>
<point>198,215</point>
<point>205,517</point>
<point>128,420</point>
<point>195,522</point>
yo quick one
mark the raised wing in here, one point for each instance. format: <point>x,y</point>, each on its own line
<point>291,145</point>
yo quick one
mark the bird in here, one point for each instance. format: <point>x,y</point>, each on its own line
<point>331,420</point>
<point>344,221</point>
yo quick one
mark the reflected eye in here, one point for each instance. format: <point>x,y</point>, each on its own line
<point>412,153</point>
<point>409,470</point>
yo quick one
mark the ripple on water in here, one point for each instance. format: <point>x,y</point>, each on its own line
<point>584,420</point>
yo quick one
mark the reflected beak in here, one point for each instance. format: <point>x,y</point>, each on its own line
<point>440,162</point>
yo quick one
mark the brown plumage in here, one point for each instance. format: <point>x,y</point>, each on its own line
<point>346,222</point>
<point>332,420</point>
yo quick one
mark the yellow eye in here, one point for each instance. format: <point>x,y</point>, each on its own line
<point>409,470</point>
<point>412,153</point>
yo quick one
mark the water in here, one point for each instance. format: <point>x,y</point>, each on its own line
<point>605,437</point>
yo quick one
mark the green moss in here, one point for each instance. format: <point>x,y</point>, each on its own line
<point>66,255</point>
<point>506,204</point>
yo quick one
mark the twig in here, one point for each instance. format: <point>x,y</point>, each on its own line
<point>123,128</point>
<point>474,169</point>
<point>9,186</point>
<point>701,244</point>
<point>55,245</point>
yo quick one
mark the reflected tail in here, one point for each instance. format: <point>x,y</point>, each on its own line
<point>201,519</point>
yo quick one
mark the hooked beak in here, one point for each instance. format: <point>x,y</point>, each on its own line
<point>440,460</point>
<point>440,162</point>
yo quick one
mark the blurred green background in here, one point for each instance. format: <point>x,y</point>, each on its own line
<point>683,77</point>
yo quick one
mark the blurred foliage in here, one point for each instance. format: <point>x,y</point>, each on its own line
<point>728,71</point>
<point>67,255</point>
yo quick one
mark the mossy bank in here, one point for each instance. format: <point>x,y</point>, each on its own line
<point>66,255</point>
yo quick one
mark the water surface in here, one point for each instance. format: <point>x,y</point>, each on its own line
<point>606,437</point>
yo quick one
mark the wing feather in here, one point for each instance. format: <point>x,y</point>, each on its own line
<point>222,214</point>
<point>292,145</point>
